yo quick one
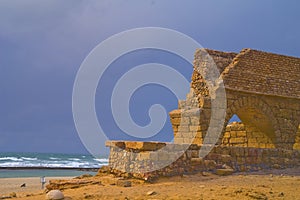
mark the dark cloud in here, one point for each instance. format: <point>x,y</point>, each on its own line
<point>42,44</point>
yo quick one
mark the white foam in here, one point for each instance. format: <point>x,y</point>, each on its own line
<point>11,158</point>
<point>75,159</point>
<point>26,158</point>
<point>101,160</point>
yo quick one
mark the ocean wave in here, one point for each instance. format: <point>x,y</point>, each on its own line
<point>101,160</point>
<point>50,160</point>
<point>26,158</point>
<point>75,159</point>
<point>11,158</point>
<point>53,158</point>
<point>51,165</point>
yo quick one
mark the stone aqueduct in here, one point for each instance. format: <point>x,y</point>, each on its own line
<point>263,89</point>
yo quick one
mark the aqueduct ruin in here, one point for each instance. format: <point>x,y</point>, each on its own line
<point>262,89</point>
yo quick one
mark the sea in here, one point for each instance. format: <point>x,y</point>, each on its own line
<point>48,164</point>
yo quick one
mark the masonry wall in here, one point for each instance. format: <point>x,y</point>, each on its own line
<point>271,117</point>
<point>125,163</point>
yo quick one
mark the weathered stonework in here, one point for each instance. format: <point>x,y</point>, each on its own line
<point>240,159</point>
<point>263,89</point>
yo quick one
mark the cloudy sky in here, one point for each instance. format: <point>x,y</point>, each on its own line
<point>43,43</point>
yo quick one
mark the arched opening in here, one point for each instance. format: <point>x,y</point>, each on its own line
<point>249,124</point>
<point>234,118</point>
<point>235,133</point>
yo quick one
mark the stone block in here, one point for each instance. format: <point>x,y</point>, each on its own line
<point>241,133</point>
<point>183,128</point>
<point>195,128</point>
<point>175,113</point>
<point>144,146</point>
<point>196,161</point>
<point>210,164</point>
<point>163,155</point>
<point>224,172</point>
<point>143,156</point>
<point>198,141</point>
<point>175,121</point>
<point>237,140</point>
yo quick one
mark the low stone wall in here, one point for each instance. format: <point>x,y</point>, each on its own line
<point>237,134</point>
<point>153,159</point>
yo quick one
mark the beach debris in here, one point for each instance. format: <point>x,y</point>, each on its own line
<point>150,193</point>
<point>54,195</point>
<point>23,185</point>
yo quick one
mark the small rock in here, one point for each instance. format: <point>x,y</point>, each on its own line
<point>257,195</point>
<point>151,193</point>
<point>281,194</point>
<point>54,195</point>
<point>205,173</point>
<point>226,167</point>
<point>210,164</point>
<point>224,172</point>
<point>13,194</point>
<point>5,197</point>
<point>240,190</point>
<point>123,183</point>
<point>276,166</point>
<point>88,196</point>
<point>184,176</point>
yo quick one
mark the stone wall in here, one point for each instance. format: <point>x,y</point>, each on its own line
<point>236,134</point>
<point>145,158</point>
<point>262,88</point>
<point>258,89</point>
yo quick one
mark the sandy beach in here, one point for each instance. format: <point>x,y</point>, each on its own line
<point>33,185</point>
<point>275,184</point>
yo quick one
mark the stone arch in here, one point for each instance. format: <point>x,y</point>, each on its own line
<point>259,121</point>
